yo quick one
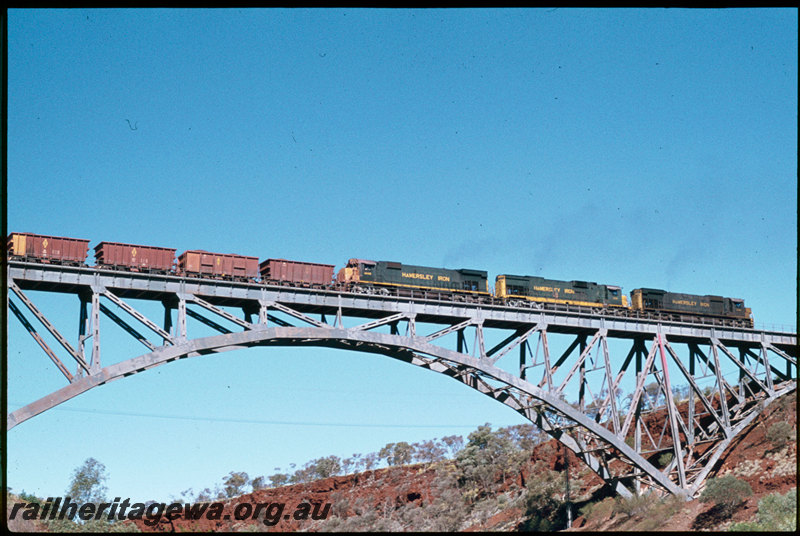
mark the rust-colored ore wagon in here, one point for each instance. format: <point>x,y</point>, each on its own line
<point>134,257</point>
<point>49,249</point>
<point>217,265</point>
<point>296,273</point>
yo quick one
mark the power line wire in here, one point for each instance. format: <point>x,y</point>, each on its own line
<point>259,421</point>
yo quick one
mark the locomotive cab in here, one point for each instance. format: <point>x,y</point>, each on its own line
<point>355,269</point>
<point>614,292</point>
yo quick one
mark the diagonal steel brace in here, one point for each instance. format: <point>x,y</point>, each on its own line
<point>46,323</point>
<point>56,361</point>
<point>137,315</point>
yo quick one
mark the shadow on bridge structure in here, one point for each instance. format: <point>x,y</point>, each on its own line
<point>646,404</point>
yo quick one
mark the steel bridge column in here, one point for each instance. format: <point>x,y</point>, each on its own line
<point>167,319</point>
<point>262,312</point>
<point>765,360</point>
<point>636,405</point>
<point>672,411</point>
<point>95,326</point>
<point>582,378</point>
<point>181,319</point>
<point>523,352</point>
<point>83,327</point>
<point>548,370</point>
<point>690,409</point>
<point>723,399</point>
<point>612,385</point>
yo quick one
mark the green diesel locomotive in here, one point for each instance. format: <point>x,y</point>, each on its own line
<point>690,307</point>
<point>539,289</point>
<point>360,273</point>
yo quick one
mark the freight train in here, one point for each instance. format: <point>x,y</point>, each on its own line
<point>387,278</point>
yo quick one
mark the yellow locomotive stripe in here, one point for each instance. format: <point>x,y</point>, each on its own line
<point>566,302</point>
<point>695,313</point>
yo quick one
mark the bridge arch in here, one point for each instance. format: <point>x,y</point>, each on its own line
<point>520,395</point>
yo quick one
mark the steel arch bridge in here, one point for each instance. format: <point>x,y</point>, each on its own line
<point>680,401</point>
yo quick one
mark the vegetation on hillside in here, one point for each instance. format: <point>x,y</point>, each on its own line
<point>490,480</point>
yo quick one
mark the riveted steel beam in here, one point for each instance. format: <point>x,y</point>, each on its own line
<point>207,321</point>
<point>579,363</point>
<point>449,329</point>
<point>739,364</point>
<point>694,388</point>
<point>380,322</point>
<point>519,340</point>
<point>47,324</point>
<point>672,411</point>
<point>67,278</point>
<point>639,391</point>
<point>127,327</point>
<point>300,316</point>
<point>56,361</point>
<point>217,311</point>
<point>137,315</point>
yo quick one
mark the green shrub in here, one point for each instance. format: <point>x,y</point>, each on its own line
<point>780,433</point>
<point>598,510</point>
<point>727,492</point>
<point>635,505</point>
<point>776,512</point>
<point>545,508</point>
<point>662,511</point>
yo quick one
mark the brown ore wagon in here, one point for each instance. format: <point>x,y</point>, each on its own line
<point>306,274</point>
<point>221,265</point>
<point>51,249</point>
<point>134,257</point>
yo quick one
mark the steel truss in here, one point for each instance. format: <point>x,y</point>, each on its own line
<point>681,412</point>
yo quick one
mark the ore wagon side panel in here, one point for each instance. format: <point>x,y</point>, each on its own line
<point>135,257</point>
<point>223,265</point>
<point>58,249</point>
<point>297,272</point>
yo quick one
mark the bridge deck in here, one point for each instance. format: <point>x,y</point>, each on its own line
<point>249,296</point>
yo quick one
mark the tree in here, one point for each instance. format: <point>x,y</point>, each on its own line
<point>487,453</point>
<point>428,451</point>
<point>454,444</point>
<point>235,484</point>
<point>355,463</point>
<point>278,479</point>
<point>523,436</point>
<point>325,467</point>
<point>396,453</point>
<point>88,483</point>
<point>652,392</point>
<point>370,461</point>
<point>205,495</point>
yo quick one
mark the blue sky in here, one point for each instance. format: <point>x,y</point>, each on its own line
<point>642,148</point>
